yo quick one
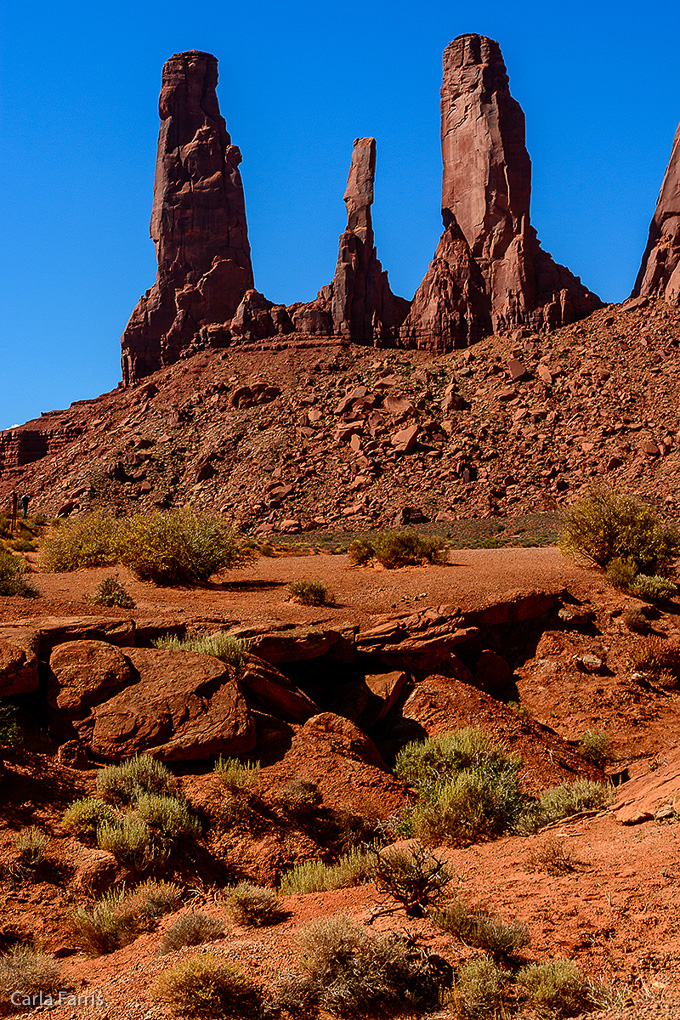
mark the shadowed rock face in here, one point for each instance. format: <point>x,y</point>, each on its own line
<point>486,191</point>
<point>659,274</point>
<point>198,222</point>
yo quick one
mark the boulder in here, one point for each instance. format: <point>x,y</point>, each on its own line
<point>654,795</point>
<point>419,641</point>
<point>659,274</point>
<point>276,692</point>
<point>84,673</point>
<point>295,645</point>
<point>19,648</point>
<point>184,707</point>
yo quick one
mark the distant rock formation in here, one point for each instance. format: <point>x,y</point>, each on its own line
<point>486,191</point>
<point>659,274</point>
<point>198,222</point>
<point>359,304</point>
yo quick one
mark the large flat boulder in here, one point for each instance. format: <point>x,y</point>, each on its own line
<point>184,707</point>
<point>84,673</point>
<point>420,641</point>
<point>18,660</point>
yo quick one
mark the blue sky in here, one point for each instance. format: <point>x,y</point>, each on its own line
<point>599,84</point>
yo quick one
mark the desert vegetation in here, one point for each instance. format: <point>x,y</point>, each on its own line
<point>229,649</point>
<point>392,549</point>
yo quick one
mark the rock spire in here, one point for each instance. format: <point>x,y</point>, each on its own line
<point>659,274</point>
<point>198,222</point>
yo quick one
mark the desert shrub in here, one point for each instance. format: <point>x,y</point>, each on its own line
<point>635,620</point>
<point>429,764</point>
<point>119,917</point>
<point>594,745</point>
<point>83,817</point>
<point>652,588</point>
<point>300,796</point>
<point>13,577</point>
<point>474,805</point>
<point>180,547</point>
<point>254,905</point>
<point>236,776</point>
<point>605,526</point>
<point>353,868</point>
<point>24,545</point>
<point>552,858</point>
<point>10,733</point>
<point>415,878</point>
<point>229,649</point>
<point>130,840</point>
<point>652,656</point>
<point>208,986</point>
<point>83,542</point>
<point>192,929</point>
<point>169,815</point>
<point>346,970</point>
<point>394,549</point>
<point>479,988</point>
<point>110,592</point>
<point>310,593</point>
<point>482,930</point>
<point>28,972</point>
<point>557,985</point>
<point>31,846</point>
<point>562,801</point>
<point>621,573</point>
<point>123,784</point>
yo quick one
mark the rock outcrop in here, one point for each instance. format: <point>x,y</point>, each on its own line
<point>486,191</point>
<point>198,222</point>
<point>359,304</point>
<point>659,274</point>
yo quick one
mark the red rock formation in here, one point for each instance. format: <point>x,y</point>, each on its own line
<point>659,274</point>
<point>359,304</point>
<point>486,192</point>
<point>198,222</point>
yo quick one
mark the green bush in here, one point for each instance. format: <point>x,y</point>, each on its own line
<point>351,869</point>
<point>254,905</point>
<point>606,526</point>
<point>310,593</point>
<point>236,776</point>
<point>479,989</point>
<point>168,815</point>
<point>594,745</point>
<point>31,846</point>
<point>621,573</point>
<point>208,986</point>
<point>123,784</point>
<point>10,733</point>
<point>229,649</point>
<point>415,878</point>
<point>394,549</point>
<point>561,802</point>
<point>180,547</point>
<point>83,817</point>
<point>82,542</point>
<point>192,929</point>
<point>131,841</point>
<point>345,970</point>
<point>119,917</point>
<point>652,588</point>
<point>300,796</point>
<point>429,764</point>
<point>557,985</point>
<point>110,592</point>
<point>13,580</point>
<point>28,972</point>
<point>483,930</point>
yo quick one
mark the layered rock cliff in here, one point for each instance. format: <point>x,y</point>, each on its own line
<point>659,274</point>
<point>486,192</point>
<point>198,222</point>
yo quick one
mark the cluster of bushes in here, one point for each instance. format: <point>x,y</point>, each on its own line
<point>394,549</point>
<point>627,539</point>
<point>163,546</point>
<point>310,593</point>
<point>139,816</point>
<point>469,788</point>
<point>119,917</point>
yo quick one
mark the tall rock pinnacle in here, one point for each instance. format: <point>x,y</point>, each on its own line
<point>198,222</point>
<point>659,274</point>
<point>486,192</point>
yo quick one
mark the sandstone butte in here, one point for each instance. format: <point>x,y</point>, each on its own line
<point>659,274</point>
<point>489,271</point>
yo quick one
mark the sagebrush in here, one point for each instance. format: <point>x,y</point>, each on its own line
<point>394,549</point>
